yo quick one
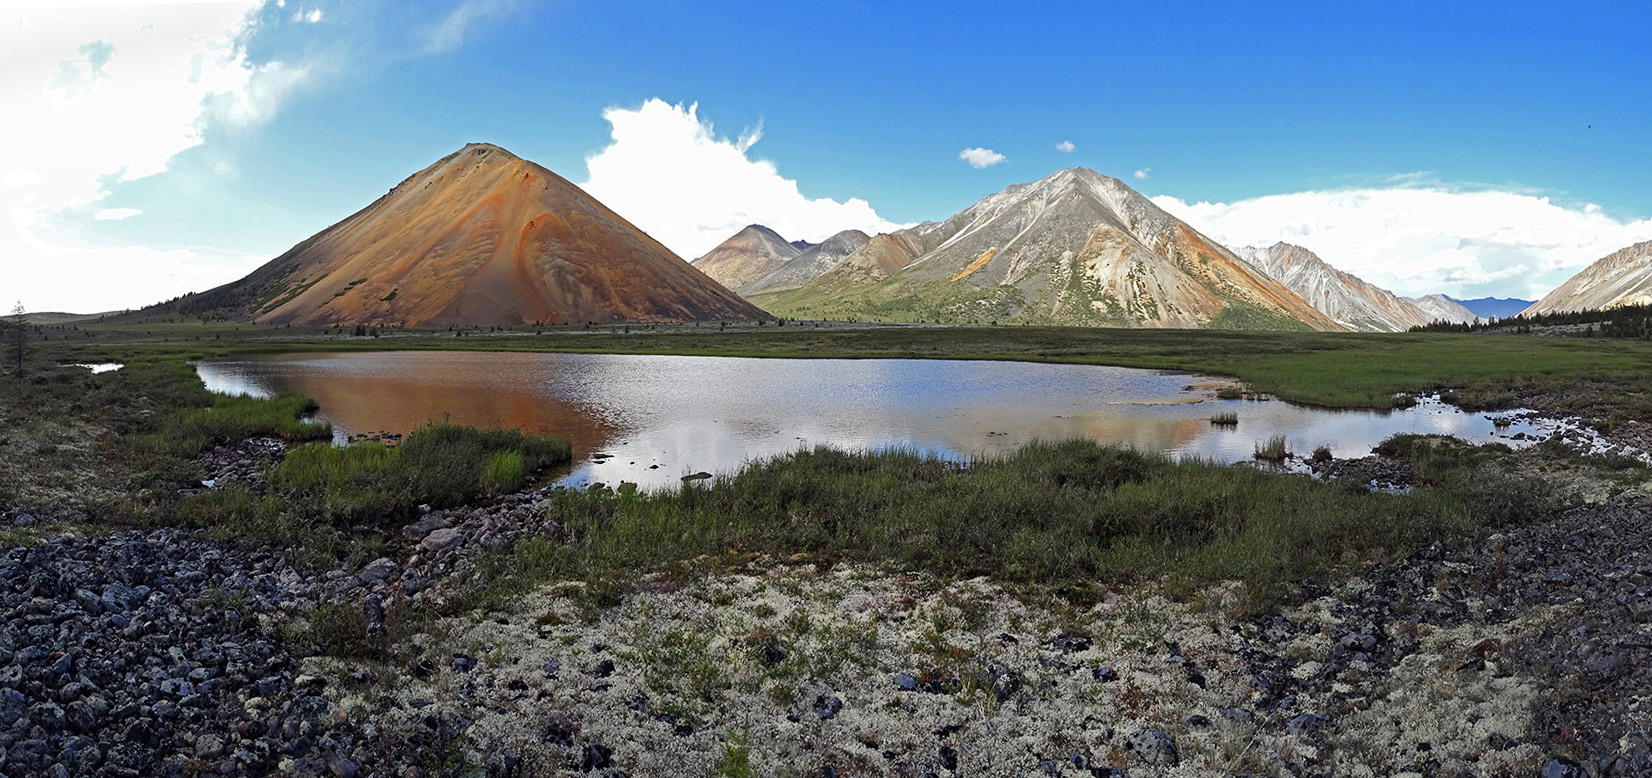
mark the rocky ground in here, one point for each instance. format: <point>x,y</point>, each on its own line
<point>163,653</point>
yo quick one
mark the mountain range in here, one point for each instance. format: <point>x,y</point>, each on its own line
<point>1493,307</point>
<point>1075,248</point>
<point>1346,298</point>
<point>480,237</point>
<point>485,237</point>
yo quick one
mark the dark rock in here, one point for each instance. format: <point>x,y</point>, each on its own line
<point>1306,723</point>
<point>949,757</point>
<point>1563,768</point>
<point>80,718</point>
<point>595,756</point>
<point>827,706</point>
<point>1153,746</point>
<point>906,681</point>
<point>1071,643</point>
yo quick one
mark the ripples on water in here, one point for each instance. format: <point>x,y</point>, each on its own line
<point>662,417</point>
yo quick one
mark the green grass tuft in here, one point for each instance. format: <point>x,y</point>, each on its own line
<point>505,472</point>
<point>233,418</point>
<point>442,464</point>
<point>1273,450</point>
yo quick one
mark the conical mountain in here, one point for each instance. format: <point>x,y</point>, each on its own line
<point>480,237</point>
<point>809,265</point>
<point>1074,248</point>
<point>746,256</point>
<point>1620,278</point>
<point>1350,300</point>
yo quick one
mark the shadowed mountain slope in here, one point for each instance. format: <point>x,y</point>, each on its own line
<point>1074,248</point>
<point>480,237</point>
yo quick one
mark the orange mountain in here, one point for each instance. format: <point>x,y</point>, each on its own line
<point>480,237</point>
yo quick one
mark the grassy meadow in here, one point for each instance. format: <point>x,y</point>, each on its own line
<point>1597,377</point>
<point>122,447</point>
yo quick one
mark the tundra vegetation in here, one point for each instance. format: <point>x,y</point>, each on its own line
<point>1062,524</point>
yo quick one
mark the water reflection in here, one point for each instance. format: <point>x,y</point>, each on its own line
<point>665,416</point>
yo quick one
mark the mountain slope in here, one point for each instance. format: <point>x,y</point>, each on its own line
<point>1621,278</point>
<point>1074,248</point>
<point>809,265</point>
<point>1438,307</point>
<point>746,256</point>
<point>1493,307</point>
<point>1350,300</point>
<point>479,237</point>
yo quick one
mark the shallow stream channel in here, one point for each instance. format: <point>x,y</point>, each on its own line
<point>651,420</point>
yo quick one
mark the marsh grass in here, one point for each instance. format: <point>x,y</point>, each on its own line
<point>1478,399</point>
<point>1072,513</point>
<point>232,418</point>
<point>506,470</point>
<point>441,465</point>
<point>1273,450</point>
<point>1224,419</point>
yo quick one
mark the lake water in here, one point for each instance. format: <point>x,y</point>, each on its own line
<point>661,417</point>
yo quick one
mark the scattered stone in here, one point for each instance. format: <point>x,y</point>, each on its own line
<point>441,540</point>
<point>376,571</point>
<point>1154,747</point>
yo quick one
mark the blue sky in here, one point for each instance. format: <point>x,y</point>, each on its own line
<point>1464,148</point>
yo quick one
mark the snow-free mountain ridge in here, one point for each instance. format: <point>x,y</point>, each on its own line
<point>1350,300</point>
<point>1494,307</point>
<point>480,237</point>
<point>1075,247</point>
<point>1438,307</point>
<point>747,256</point>
<point>1623,277</point>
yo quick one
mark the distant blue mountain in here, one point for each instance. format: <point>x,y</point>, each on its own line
<point>1493,307</point>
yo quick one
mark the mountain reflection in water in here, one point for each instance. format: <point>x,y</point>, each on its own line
<point>665,416</point>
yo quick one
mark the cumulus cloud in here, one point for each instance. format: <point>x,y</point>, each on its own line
<point>981,158</point>
<point>96,99</point>
<point>670,173</point>
<point>1064,146</point>
<point>307,17</point>
<point>116,214</point>
<point>1426,239</point>
<point>1141,175</point>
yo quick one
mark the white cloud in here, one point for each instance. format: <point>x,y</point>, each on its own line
<point>1423,240</point>
<point>450,32</point>
<point>1141,175</point>
<point>307,17</point>
<point>95,99</point>
<point>1065,146</point>
<point>671,174</point>
<point>981,158</point>
<point>115,214</point>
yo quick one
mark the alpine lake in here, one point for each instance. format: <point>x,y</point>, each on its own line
<point>650,420</point>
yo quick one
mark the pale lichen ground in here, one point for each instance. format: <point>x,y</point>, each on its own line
<point>701,653</point>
